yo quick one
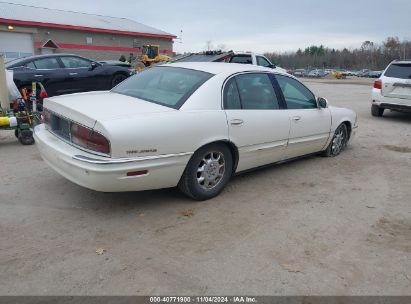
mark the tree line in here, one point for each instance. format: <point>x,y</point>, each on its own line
<point>371,55</point>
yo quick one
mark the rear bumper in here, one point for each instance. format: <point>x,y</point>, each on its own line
<point>391,103</point>
<point>395,107</point>
<point>108,174</point>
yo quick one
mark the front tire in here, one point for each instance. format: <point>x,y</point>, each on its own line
<point>207,172</point>
<point>376,111</point>
<point>338,142</point>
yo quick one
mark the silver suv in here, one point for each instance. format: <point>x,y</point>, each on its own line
<point>393,89</point>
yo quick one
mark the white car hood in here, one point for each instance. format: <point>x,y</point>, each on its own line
<point>87,108</point>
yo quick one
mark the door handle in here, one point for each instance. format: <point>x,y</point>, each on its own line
<point>297,118</point>
<point>73,74</point>
<point>38,75</point>
<point>236,122</point>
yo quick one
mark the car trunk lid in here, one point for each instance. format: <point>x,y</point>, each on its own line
<point>87,108</point>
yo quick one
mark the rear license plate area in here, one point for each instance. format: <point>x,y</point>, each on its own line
<point>60,126</point>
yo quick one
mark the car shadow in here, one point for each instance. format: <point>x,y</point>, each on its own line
<point>142,201</point>
<point>10,143</point>
<point>397,116</point>
<point>132,200</point>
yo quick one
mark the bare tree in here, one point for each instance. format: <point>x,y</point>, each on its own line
<point>370,55</point>
<point>221,47</point>
<point>209,45</point>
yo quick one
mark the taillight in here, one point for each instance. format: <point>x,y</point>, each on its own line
<point>87,138</point>
<point>378,84</point>
<point>43,94</point>
<point>99,143</point>
<point>79,135</point>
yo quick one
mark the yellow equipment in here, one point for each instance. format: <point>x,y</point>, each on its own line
<point>337,74</point>
<point>150,55</point>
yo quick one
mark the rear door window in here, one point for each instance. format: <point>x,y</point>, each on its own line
<point>30,65</point>
<point>47,64</point>
<point>256,92</point>
<point>399,70</point>
<point>231,96</point>
<point>75,62</point>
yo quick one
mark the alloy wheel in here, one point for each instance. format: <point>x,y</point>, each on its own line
<point>338,141</point>
<point>211,169</point>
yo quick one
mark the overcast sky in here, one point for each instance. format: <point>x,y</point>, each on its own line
<point>259,25</point>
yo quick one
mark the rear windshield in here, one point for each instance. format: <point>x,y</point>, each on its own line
<point>399,70</point>
<point>246,59</point>
<point>167,86</point>
<point>14,63</point>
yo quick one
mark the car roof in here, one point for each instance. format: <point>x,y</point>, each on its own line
<point>50,55</point>
<point>222,67</point>
<point>402,61</point>
<point>14,62</point>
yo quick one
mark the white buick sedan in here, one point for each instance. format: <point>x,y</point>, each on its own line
<point>191,125</point>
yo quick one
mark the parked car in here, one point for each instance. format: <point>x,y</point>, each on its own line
<point>313,73</point>
<point>300,73</point>
<point>348,73</point>
<point>188,124</point>
<point>393,89</point>
<point>317,73</point>
<point>254,59</point>
<point>363,73</point>
<point>65,73</point>
<point>374,74</point>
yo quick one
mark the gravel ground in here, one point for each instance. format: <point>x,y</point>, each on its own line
<point>315,226</point>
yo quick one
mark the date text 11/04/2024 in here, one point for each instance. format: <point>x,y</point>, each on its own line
<point>203,299</point>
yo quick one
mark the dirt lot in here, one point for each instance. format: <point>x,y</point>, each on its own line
<point>317,226</point>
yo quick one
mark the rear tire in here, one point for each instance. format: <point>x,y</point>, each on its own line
<point>117,78</point>
<point>376,111</point>
<point>207,172</point>
<point>26,137</point>
<point>338,142</point>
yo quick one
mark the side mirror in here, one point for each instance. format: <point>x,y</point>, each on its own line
<point>322,103</point>
<point>272,66</point>
<point>94,65</point>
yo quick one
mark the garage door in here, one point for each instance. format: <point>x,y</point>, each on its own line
<point>15,45</point>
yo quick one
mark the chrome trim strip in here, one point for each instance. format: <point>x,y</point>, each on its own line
<point>309,138</point>
<point>90,160</point>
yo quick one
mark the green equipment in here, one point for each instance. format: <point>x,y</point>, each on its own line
<point>21,120</point>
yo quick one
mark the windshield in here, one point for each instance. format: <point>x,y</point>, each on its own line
<point>167,86</point>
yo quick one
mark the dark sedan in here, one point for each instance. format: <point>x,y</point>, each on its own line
<point>66,73</point>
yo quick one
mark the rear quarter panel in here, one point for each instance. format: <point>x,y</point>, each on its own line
<point>164,133</point>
